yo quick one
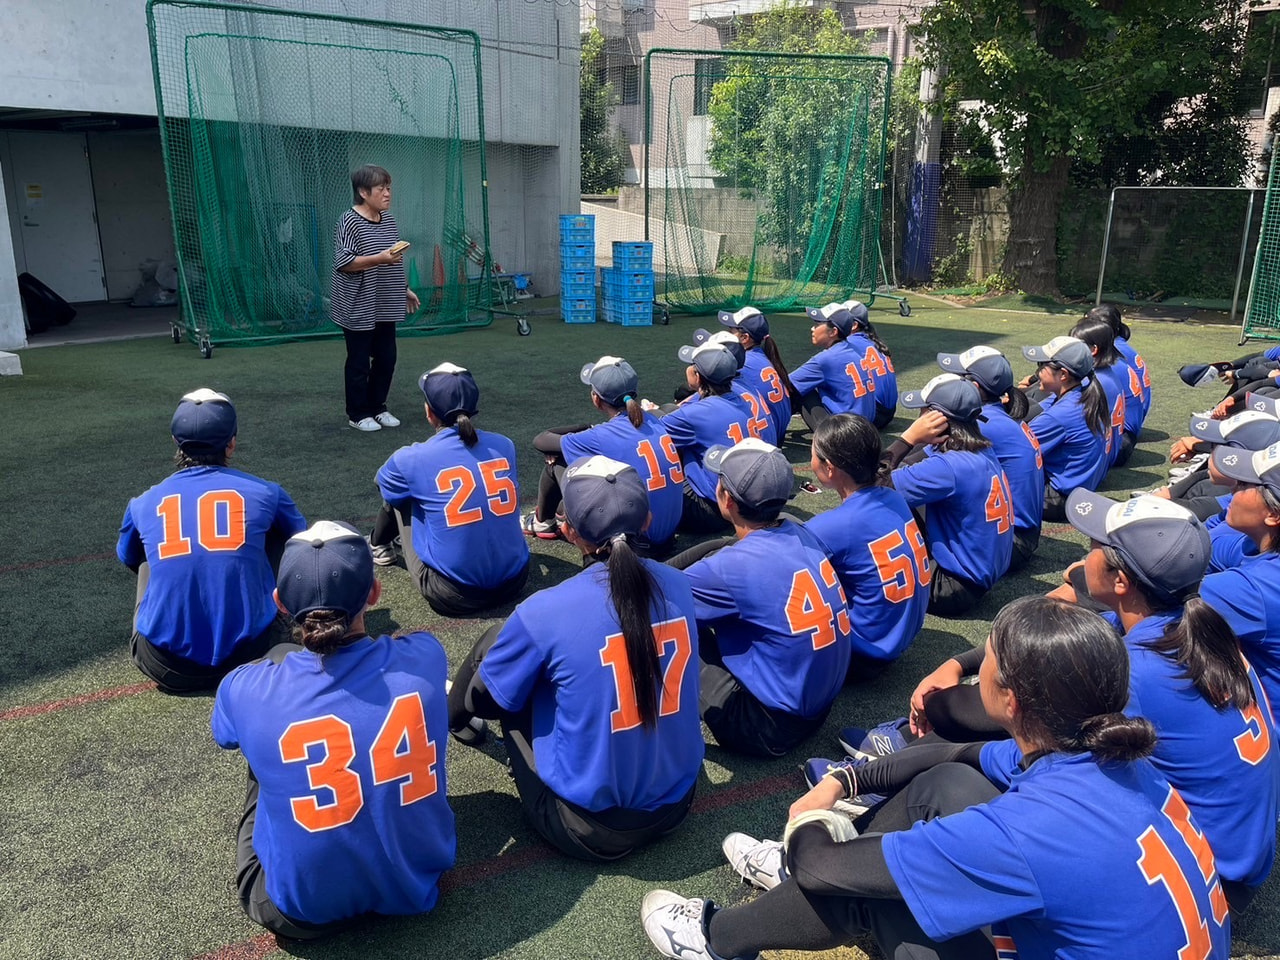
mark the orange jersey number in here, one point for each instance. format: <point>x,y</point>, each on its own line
<point>668,633</point>
<point>900,573</point>
<point>499,490</point>
<point>808,612</point>
<point>220,523</point>
<point>658,474</point>
<point>1000,504</point>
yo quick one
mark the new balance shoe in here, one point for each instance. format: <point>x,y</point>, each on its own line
<point>365,425</point>
<point>880,741</point>
<point>760,863</point>
<point>542,529</point>
<point>816,768</point>
<point>387,419</point>
<point>677,926</point>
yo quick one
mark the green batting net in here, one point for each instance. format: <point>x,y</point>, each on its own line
<point>764,176</point>
<point>264,114</point>
<point>1262,312</point>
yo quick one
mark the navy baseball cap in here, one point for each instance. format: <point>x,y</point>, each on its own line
<point>725,339</point>
<point>1261,467</point>
<point>858,311</point>
<point>1263,403</point>
<point>604,498</point>
<point>714,362</point>
<point>450,390</point>
<point>755,473</point>
<point>612,379</point>
<point>749,319</point>
<point>1250,430</point>
<point>947,393</point>
<point>985,365</point>
<point>836,314</point>
<point>204,422</point>
<point>328,566</point>
<point>1201,374</point>
<point>1162,543</point>
<point>1071,354</point>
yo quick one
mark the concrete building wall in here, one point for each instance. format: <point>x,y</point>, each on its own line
<point>133,206</point>
<point>13,332</point>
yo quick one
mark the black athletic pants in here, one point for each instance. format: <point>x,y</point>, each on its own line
<point>1055,505</point>
<point>446,596</point>
<point>1026,540</point>
<point>1198,493</point>
<point>839,891</point>
<point>1127,442</point>
<point>699,515</point>
<point>175,674</point>
<point>371,363</point>
<point>585,834</point>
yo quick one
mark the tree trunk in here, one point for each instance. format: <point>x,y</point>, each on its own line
<point>1031,256</point>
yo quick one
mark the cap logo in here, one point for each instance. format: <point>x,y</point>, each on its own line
<point>1084,509</point>
<point>1259,405</point>
<point>1202,424</point>
<point>946,362</point>
<point>1230,460</point>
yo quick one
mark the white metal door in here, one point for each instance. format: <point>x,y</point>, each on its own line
<point>57,225</point>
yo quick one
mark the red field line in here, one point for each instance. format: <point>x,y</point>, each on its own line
<point>64,561</point>
<point>97,696</point>
<point>487,869</point>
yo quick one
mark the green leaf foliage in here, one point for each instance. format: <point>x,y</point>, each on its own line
<point>603,159</point>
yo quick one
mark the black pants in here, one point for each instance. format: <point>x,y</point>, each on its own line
<point>371,363</point>
<point>1026,540</point>
<point>812,410</point>
<point>1198,493</point>
<point>1055,504</point>
<point>687,558</point>
<point>446,596</point>
<point>1127,442</point>
<point>884,416</point>
<point>738,720</point>
<point>699,515</point>
<point>950,595</point>
<point>807,912</point>
<point>957,714</point>
<point>175,674</point>
<point>598,835</point>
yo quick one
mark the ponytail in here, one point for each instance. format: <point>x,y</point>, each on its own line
<point>769,347</point>
<point>1016,403</point>
<point>1097,415</point>
<point>466,429</point>
<point>634,412</point>
<point>322,631</point>
<point>633,590</point>
<point>869,329</point>
<point>1116,737</point>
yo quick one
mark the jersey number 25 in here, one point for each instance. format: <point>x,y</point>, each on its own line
<point>499,491</point>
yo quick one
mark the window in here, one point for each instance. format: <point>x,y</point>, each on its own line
<point>630,85</point>
<point>705,75</point>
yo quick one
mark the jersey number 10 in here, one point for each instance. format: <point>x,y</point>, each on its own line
<point>220,523</point>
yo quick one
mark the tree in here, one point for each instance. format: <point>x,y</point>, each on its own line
<point>1062,82</point>
<point>776,125</point>
<point>603,162</point>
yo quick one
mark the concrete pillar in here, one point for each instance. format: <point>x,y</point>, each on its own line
<point>926,181</point>
<point>13,331</point>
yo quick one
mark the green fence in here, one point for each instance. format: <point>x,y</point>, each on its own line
<point>1262,311</point>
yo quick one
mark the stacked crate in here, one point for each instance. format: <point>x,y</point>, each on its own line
<point>578,267</point>
<point>628,285</point>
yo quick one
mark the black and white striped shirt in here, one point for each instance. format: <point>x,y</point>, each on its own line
<point>377,295</point>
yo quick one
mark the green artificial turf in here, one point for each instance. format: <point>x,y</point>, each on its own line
<point>119,814</point>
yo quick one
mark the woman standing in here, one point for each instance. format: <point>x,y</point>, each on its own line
<point>369,297</point>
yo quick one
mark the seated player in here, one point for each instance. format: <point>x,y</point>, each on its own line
<point>1075,860</point>
<point>877,362</point>
<point>749,389</point>
<point>1123,391</point>
<point>874,544</point>
<point>719,416</point>
<point>1074,426</point>
<point>345,813</point>
<point>1007,408</point>
<point>774,628</point>
<point>762,367</point>
<point>960,487</point>
<point>203,543</point>
<point>1140,377</point>
<point>453,501</point>
<point>595,681</point>
<point>839,378</point>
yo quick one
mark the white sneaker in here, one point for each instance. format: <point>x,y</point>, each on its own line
<point>387,419</point>
<point>367,425</point>
<point>386,555</point>
<point>674,925</point>
<point>760,863</point>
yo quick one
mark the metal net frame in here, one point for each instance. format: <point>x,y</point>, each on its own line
<point>263,115</point>
<point>1262,309</point>
<point>763,176</point>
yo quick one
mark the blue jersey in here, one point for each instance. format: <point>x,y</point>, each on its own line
<point>969,523</point>
<point>758,424</point>
<point>1074,456</point>
<point>1248,597</point>
<point>789,647</point>
<point>648,448</point>
<point>349,753</point>
<point>767,383</point>
<point>837,375</point>
<point>1114,386</point>
<point>466,520</point>
<point>1234,796</point>
<point>562,653</point>
<point>1229,545</point>
<point>881,559</point>
<point>1018,451</point>
<point>695,427</point>
<point>1076,859</point>
<point>203,534</point>
<point>877,371</point>
<point>1139,367</point>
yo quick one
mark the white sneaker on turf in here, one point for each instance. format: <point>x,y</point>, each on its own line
<point>674,925</point>
<point>759,862</point>
<point>542,529</point>
<point>367,425</point>
<point>384,555</point>
<point>387,419</point>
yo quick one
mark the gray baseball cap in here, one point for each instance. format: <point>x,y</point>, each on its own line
<point>1250,430</point>
<point>755,473</point>
<point>836,314</point>
<point>1261,467</point>
<point>725,339</point>
<point>328,566</point>
<point>755,323</point>
<point>985,365</point>
<point>713,361</point>
<point>1067,352</point>
<point>1162,543</point>
<point>604,498</point>
<point>949,394</point>
<point>612,379</point>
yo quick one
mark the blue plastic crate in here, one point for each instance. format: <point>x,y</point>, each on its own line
<point>632,257</point>
<point>577,289</point>
<point>577,228</point>
<point>577,251</point>
<point>629,312</point>
<point>578,310</point>
<point>634,284</point>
